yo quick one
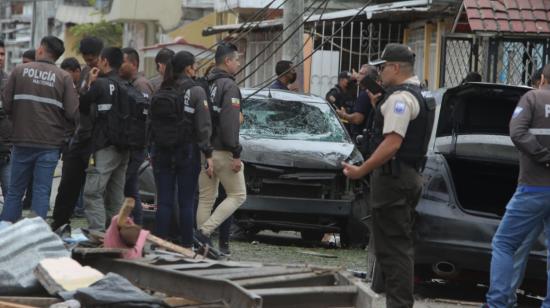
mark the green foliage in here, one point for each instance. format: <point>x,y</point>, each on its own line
<point>110,33</point>
<point>91,2</point>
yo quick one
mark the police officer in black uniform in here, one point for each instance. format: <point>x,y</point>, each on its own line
<point>342,94</point>
<point>402,127</point>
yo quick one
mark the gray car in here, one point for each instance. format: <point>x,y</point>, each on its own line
<point>293,147</point>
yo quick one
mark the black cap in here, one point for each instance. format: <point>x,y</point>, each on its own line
<point>396,53</point>
<point>344,75</point>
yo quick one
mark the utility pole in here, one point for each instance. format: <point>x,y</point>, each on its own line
<point>292,10</point>
<point>39,21</point>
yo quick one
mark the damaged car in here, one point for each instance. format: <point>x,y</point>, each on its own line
<point>293,147</point>
<point>470,175</point>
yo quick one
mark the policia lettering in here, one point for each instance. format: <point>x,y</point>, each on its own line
<point>41,77</point>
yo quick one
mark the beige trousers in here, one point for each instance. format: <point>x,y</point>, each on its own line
<point>235,188</point>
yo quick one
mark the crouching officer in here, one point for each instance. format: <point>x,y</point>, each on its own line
<point>402,127</point>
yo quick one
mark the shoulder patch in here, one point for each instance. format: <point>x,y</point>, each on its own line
<point>399,107</point>
<point>236,102</point>
<point>517,111</point>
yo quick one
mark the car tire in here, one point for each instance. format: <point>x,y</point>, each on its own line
<point>311,235</point>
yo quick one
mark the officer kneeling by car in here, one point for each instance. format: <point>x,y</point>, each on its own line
<point>402,127</point>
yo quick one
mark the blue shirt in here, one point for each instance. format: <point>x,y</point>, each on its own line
<point>278,85</point>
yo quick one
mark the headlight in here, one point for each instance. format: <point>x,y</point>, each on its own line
<point>355,158</point>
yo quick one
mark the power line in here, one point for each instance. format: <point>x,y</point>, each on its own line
<point>272,78</point>
<point>277,37</point>
<point>241,35</point>
<point>252,19</point>
<point>324,2</point>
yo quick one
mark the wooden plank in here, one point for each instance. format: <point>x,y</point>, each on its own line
<point>292,280</point>
<point>30,301</point>
<point>13,305</point>
<point>263,273</point>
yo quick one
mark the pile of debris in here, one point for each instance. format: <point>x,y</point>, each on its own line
<point>128,267</point>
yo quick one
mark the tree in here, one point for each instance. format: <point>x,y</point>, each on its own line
<point>110,33</point>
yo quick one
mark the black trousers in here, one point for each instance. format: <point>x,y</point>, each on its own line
<point>393,200</point>
<point>73,176</point>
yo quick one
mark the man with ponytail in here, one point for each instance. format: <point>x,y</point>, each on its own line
<point>180,130</point>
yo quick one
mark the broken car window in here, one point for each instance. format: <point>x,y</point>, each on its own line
<point>291,120</point>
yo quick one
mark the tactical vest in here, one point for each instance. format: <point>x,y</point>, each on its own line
<point>415,144</point>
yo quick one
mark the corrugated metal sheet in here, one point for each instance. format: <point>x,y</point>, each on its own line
<point>22,246</point>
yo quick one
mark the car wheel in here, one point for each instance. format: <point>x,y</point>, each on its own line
<point>312,236</point>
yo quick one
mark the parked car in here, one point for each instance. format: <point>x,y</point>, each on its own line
<point>293,147</point>
<point>470,175</point>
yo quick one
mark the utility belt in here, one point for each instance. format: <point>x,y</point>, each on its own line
<point>395,166</point>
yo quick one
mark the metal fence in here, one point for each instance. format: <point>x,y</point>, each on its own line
<point>497,59</point>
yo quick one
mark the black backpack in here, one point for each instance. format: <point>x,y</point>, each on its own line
<point>170,125</point>
<point>210,89</point>
<point>214,107</point>
<point>118,116</point>
<point>137,121</point>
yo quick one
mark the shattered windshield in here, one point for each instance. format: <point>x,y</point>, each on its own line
<point>290,120</point>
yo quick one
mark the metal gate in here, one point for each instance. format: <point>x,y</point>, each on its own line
<point>503,60</point>
<point>460,55</point>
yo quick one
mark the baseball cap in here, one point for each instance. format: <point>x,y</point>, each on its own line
<point>344,75</point>
<point>395,53</point>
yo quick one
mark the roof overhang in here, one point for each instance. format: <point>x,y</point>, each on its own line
<point>370,12</point>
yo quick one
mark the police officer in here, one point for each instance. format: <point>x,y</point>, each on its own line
<point>177,162</point>
<point>129,71</point>
<point>228,168</point>
<point>161,60</point>
<point>44,95</point>
<point>362,108</point>
<point>528,208</point>
<point>341,95</point>
<point>69,196</point>
<point>402,127</point>
<point>106,173</point>
<point>90,47</point>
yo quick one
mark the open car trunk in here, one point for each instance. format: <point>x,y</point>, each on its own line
<point>483,187</point>
<point>473,135</point>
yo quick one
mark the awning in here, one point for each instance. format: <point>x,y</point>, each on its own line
<point>77,14</point>
<point>166,12</point>
<point>178,45</point>
<point>511,16</point>
<point>370,12</point>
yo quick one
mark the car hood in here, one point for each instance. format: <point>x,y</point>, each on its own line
<point>478,108</point>
<point>298,153</point>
